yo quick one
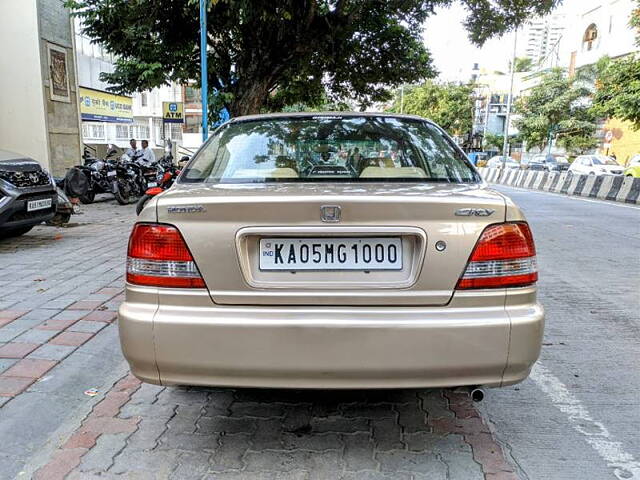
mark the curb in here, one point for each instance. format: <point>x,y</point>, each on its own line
<point>614,188</point>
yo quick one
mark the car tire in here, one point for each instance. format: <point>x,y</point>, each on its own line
<point>87,198</point>
<point>142,202</point>
<point>59,219</point>
<point>14,232</point>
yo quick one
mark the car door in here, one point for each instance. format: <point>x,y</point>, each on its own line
<point>588,166</point>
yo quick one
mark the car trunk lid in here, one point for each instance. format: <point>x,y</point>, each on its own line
<point>224,224</point>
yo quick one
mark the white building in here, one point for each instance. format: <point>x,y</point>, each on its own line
<point>539,39</point>
<point>601,28</point>
<point>598,28</point>
<point>492,97</point>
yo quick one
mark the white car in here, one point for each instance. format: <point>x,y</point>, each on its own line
<point>595,165</point>
<point>635,161</point>
<point>499,160</point>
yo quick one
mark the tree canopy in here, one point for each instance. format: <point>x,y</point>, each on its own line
<point>558,107</point>
<point>618,83</point>
<point>618,89</point>
<point>493,142</point>
<point>265,54</point>
<point>450,105</point>
<point>523,64</point>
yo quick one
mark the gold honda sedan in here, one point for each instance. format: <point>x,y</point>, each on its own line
<point>337,250</point>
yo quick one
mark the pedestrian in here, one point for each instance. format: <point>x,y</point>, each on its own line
<point>147,154</point>
<point>132,151</point>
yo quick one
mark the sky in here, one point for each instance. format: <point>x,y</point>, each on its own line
<point>454,55</point>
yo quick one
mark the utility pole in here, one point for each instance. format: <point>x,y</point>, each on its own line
<point>402,98</point>
<point>204,70</point>
<point>505,145</point>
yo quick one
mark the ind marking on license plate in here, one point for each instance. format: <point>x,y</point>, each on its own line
<point>365,253</point>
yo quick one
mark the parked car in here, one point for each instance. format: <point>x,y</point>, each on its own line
<point>533,163</point>
<point>595,165</point>
<point>498,161</point>
<point>316,270</point>
<point>633,167</point>
<point>551,163</point>
<point>27,194</point>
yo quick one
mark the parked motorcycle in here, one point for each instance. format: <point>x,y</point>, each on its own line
<point>128,181</point>
<point>169,176</point>
<point>99,173</point>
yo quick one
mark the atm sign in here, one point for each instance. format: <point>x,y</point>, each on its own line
<point>173,112</point>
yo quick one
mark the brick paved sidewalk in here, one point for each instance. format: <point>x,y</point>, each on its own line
<point>156,432</point>
<point>59,290</point>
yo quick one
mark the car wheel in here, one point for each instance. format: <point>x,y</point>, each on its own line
<point>592,173</point>
<point>60,218</point>
<point>14,232</point>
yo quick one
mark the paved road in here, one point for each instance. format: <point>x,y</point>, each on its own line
<point>576,417</point>
<point>579,414</point>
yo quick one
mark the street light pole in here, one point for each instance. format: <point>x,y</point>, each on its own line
<point>505,144</point>
<point>203,70</point>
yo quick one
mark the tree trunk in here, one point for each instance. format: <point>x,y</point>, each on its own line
<point>250,98</point>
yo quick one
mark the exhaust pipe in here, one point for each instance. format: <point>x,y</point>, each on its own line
<point>476,394</point>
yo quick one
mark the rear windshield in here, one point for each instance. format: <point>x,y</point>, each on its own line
<point>323,148</point>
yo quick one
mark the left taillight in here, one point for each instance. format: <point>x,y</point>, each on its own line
<point>158,256</point>
<point>505,256</point>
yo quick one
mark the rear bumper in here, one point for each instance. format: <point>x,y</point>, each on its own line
<point>198,343</point>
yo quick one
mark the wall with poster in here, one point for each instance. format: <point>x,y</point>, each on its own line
<point>60,85</point>
<point>99,106</point>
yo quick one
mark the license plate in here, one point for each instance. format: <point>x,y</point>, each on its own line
<point>112,173</point>
<point>152,184</point>
<point>38,204</point>
<point>331,253</point>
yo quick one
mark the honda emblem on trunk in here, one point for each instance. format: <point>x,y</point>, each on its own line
<point>330,213</point>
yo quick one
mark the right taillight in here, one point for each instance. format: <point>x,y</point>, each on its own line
<point>505,256</point>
